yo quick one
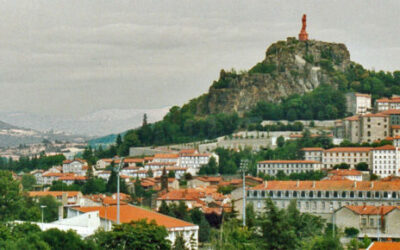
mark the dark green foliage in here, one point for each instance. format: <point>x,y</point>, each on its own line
<point>204,230</point>
<point>28,181</point>
<point>60,186</point>
<point>342,166</point>
<point>94,186</point>
<point>111,186</point>
<point>11,198</point>
<point>50,212</point>
<point>280,141</point>
<point>324,102</point>
<point>308,175</point>
<point>89,156</point>
<point>27,164</point>
<point>276,232</point>
<point>134,235</point>
<point>209,169</point>
<point>351,231</point>
<point>164,209</point>
<point>362,166</point>
<point>179,243</point>
<point>57,239</point>
<point>226,189</point>
<point>263,68</point>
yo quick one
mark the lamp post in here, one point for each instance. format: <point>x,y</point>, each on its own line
<point>333,220</point>
<point>117,170</point>
<point>243,168</point>
<point>43,207</point>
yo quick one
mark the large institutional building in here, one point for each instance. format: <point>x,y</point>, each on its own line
<point>324,197</point>
<point>287,166</point>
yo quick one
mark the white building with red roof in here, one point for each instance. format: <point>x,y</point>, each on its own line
<point>128,213</point>
<point>386,161</point>
<point>77,166</point>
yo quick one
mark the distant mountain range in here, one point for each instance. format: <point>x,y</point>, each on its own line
<point>11,135</point>
<point>99,123</point>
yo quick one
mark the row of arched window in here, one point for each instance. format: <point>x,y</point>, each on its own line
<point>322,194</point>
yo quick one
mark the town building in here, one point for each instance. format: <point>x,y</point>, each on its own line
<point>272,167</point>
<point>386,161</point>
<point>323,197</point>
<point>67,198</point>
<point>200,197</point>
<point>377,245</point>
<point>372,221</point>
<point>358,103</point>
<point>383,104</point>
<point>364,128</point>
<point>313,154</point>
<point>345,174</point>
<point>374,127</point>
<point>193,160</point>
<point>348,155</point>
<point>128,213</point>
<point>77,166</point>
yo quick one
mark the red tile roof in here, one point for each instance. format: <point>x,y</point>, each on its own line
<point>371,210</point>
<point>312,149</point>
<point>375,115</point>
<point>333,185</point>
<point>352,118</point>
<point>363,95</point>
<point>345,172</point>
<point>166,156</point>
<point>385,147</point>
<point>384,246</point>
<point>130,213</point>
<point>349,149</point>
<point>288,161</point>
<point>53,193</point>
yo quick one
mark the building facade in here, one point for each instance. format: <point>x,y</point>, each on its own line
<point>358,103</point>
<point>348,155</point>
<point>324,197</point>
<point>287,166</point>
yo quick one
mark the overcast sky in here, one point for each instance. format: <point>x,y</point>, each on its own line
<point>76,57</point>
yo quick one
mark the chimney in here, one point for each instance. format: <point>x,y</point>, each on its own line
<point>372,184</point>
<point>64,199</point>
<point>313,184</point>
<point>265,184</point>
<point>298,183</point>
<point>355,184</point>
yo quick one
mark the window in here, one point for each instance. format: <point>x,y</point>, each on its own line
<point>311,194</point>
<point>294,193</point>
<point>335,194</point>
<point>287,194</point>
<point>303,194</point>
<point>319,194</point>
<point>377,194</point>
<point>352,194</point>
<point>262,193</point>
<point>327,194</point>
<point>371,222</point>
<point>271,194</point>
<point>343,194</point>
<point>255,193</point>
<point>360,194</point>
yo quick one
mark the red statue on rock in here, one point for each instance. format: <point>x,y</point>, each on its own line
<point>303,36</point>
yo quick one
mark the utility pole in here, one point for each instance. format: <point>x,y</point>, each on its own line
<point>243,168</point>
<point>118,169</point>
<point>43,207</point>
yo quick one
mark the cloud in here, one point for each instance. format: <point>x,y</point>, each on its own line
<point>73,58</point>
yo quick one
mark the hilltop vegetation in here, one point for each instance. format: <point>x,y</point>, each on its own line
<point>297,80</point>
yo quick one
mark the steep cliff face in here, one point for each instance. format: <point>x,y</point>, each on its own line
<point>290,67</point>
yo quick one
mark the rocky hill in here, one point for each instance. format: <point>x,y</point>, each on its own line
<point>290,67</point>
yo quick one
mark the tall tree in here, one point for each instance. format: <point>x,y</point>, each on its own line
<point>134,235</point>
<point>164,180</point>
<point>276,231</point>
<point>10,196</point>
